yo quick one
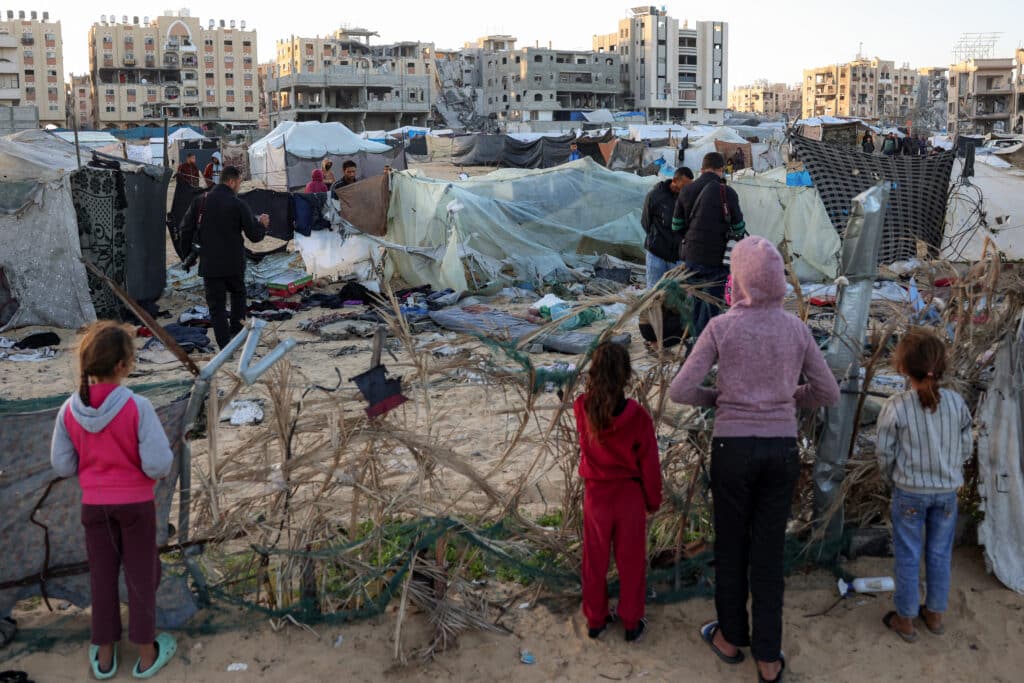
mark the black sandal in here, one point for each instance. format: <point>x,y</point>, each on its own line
<point>777,679</point>
<point>707,634</point>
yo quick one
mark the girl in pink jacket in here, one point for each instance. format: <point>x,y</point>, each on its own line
<point>112,439</point>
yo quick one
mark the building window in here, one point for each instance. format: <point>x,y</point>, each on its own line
<point>231,109</point>
<point>538,58</point>
<point>132,108</point>
<point>248,109</point>
<point>538,97</point>
<point>149,42</point>
<point>246,43</point>
<point>109,109</point>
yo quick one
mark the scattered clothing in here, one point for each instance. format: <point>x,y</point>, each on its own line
<point>190,338</point>
<point>196,314</point>
<point>153,351</point>
<point>34,356</point>
<point>313,325</point>
<point>37,341</point>
<point>6,343</point>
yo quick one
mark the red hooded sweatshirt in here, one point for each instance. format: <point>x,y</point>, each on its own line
<point>628,450</point>
<point>317,183</point>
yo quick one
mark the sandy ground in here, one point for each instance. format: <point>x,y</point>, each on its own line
<point>849,644</point>
<point>985,626</point>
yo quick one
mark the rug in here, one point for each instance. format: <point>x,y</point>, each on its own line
<point>100,205</point>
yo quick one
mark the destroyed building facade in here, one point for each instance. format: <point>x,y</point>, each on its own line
<point>671,72</point>
<point>82,110</point>
<point>32,64</point>
<point>344,78</point>
<point>868,88</point>
<point>981,96</point>
<point>767,99</point>
<point>172,67</point>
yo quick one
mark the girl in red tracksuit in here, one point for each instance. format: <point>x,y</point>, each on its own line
<point>622,485</point>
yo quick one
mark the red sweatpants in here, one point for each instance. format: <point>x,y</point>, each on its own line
<point>118,535</point>
<point>614,513</point>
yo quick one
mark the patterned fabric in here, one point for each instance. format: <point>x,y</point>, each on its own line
<point>100,204</point>
<point>29,482</point>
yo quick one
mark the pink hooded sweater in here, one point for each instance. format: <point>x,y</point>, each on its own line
<point>761,352</point>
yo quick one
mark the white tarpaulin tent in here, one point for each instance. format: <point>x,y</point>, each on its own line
<point>310,140</point>
<point>998,193</point>
<point>43,279</point>
<point>777,211</point>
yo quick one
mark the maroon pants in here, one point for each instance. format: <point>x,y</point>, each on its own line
<point>116,534</point>
<point>614,514</point>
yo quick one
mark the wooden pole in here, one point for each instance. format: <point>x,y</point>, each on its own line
<point>78,150</point>
<point>166,154</point>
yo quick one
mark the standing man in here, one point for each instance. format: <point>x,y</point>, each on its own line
<point>574,152</point>
<point>708,217</point>
<point>212,171</point>
<point>662,244</point>
<point>739,160</point>
<point>890,146</point>
<point>348,173</point>
<point>188,171</point>
<point>218,221</point>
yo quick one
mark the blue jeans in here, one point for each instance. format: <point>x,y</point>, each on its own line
<point>922,522</point>
<point>657,267</point>
<point>715,278</point>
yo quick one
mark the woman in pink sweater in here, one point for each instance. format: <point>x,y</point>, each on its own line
<point>761,352</point>
<point>113,440</point>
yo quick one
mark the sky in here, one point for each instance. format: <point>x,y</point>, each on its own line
<point>775,41</point>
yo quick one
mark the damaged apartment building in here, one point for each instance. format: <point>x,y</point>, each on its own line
<point>868,88</point>
<point>981,96</point>
<point>491,79</point>
<point>343,78</point>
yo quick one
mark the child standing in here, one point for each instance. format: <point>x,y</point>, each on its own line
<point>924,438</point>
<point>622,485</point>
<point>113,440</point>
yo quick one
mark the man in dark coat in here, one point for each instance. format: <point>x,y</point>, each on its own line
<point>188,171</point>
<point>662,244</point>
<point>709,218</point>
<point>218,220</point>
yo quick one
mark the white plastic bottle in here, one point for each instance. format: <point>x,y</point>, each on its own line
<point>875,584</point>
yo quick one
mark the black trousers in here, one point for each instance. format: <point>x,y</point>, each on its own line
<point>752,482</point>
<point>217,289</point>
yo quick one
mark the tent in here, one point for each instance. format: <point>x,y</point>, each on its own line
<point>284,159</point>
<point>156,145</point>
<point>512,224</point>
<point>776,211</point>
<point>42,279</point>
<point>89,139</point>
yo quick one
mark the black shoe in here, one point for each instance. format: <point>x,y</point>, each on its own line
<point>595,633</point>
<point>635,634</point>
<point>777,679</point>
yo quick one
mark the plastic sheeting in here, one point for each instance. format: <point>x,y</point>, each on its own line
<point>776,212</point>
<point>328,254</point>
<point>998,192</point>
<point>40,254</point>
<point>31,490</point>
<point>1001,465</point>
<point>512,224</point>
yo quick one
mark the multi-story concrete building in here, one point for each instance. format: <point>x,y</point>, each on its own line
<point>981,96</point>
<point>82,112</point>
<point>543,84</point>
<point>670,71</point>
<point>174,68</point>
<point>342,77</point>
<point>32,65</point>
<point>905,86</point>
<point>870,89</point>
<point>767,99</point>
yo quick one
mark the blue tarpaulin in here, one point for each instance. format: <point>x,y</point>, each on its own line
<point>146,132</point>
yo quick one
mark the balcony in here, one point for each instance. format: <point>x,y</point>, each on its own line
<point>10,93</point>
<point>996,91</point>
<point>171,61</point>
<point>9,68</point>
<point>8,42</point>
<point>172,92</point>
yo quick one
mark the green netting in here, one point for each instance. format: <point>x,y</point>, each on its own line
<point>171,389</point>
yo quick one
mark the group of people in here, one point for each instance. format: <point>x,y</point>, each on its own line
<point>322,179</point>
<point>768,367</point>
<point>188,171</point>
<point>892,145</point>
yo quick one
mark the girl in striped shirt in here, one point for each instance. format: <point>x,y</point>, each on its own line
<point>924,438</point>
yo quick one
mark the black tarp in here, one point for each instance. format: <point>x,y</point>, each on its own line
<point>277,205</point>
<point>146,190</point>
<point>417,146</point>
<point>627,156</point>
<point>504,150</point>
<point>478,150</point>
<point>300,169</point>
<point>183,196</point>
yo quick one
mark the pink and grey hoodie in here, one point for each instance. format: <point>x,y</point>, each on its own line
<point>761,352</point>
<point>116,445</point>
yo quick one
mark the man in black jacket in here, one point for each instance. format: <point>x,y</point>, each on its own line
<point>662,243</point>
<point>708,218</point>
<point>218,220</point>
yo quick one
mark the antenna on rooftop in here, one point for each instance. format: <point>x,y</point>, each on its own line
<point>975,46</point>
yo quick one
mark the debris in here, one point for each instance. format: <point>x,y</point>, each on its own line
<point>548,301</point>
<point>383,394</point>
<point>876,584</point>
<point>35,356</point>
<point>339,640</point>
<point>238,666</point>
<point>526,657</point>
<point>345,351</point>
<point>153,351</point>
<point>243,412</point>
<point>195,314</point>
<point>347,329</point>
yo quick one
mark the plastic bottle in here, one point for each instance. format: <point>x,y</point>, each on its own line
<point>874,584</point>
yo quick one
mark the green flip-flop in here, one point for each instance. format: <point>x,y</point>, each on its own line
<point>94,662</point>
<point>166,646</point>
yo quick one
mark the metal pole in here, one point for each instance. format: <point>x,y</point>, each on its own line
<point>166,156</point>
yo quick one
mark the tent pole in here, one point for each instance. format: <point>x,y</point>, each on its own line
<point>78,150</point>
<point>166,156</point>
